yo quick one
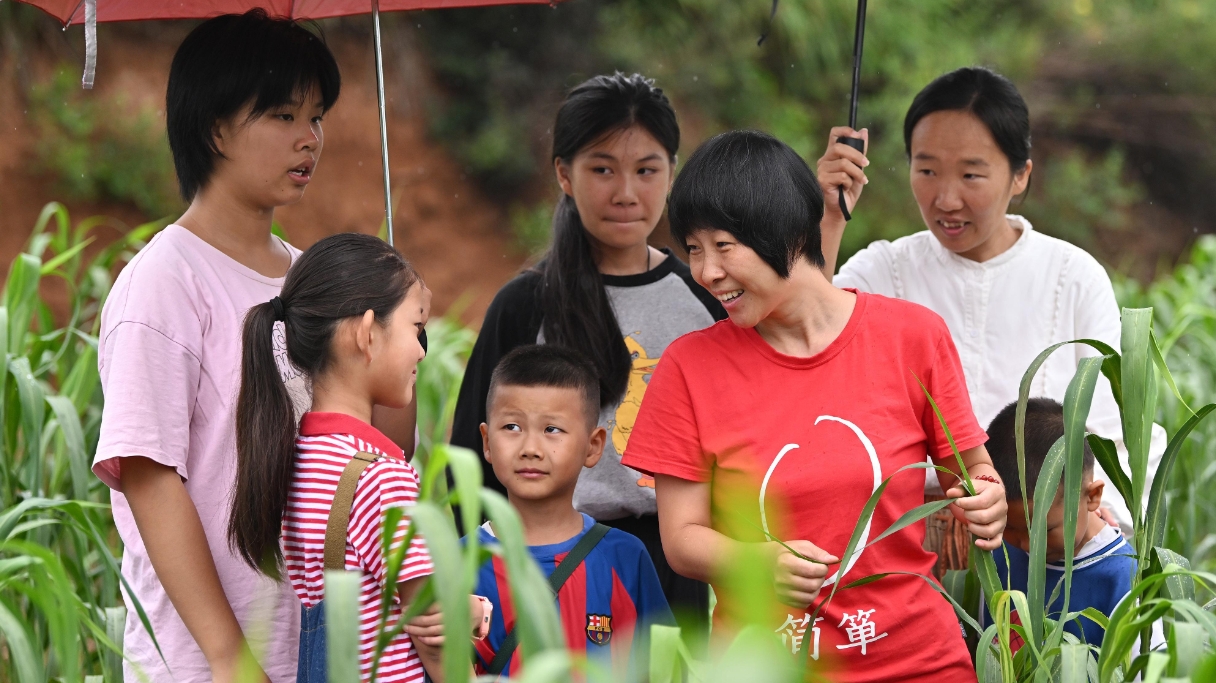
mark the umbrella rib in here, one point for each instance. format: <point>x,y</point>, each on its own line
<point>73,14</point>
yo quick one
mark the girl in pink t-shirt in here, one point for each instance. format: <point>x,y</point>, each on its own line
<point>245,99</point>
<point>353,312</point>
<point>805,401</point>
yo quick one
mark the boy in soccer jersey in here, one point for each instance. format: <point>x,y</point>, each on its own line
<point>1103,561</point>
<point>541,431</point>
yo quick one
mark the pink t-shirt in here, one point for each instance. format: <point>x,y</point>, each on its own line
<point>170,361</point>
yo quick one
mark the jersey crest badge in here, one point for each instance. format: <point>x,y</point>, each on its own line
<point>599,628</point>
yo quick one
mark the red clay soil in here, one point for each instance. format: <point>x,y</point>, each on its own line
<point>456,238</point>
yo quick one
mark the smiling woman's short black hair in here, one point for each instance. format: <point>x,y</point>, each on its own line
<point>234,61</point>
<point>758,189</point>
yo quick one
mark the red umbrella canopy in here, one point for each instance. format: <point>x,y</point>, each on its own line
<point>73,11</point>
<point>89,12</point>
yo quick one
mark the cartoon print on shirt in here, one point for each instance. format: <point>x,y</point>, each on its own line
<point>865,533</point>
<point>793,631</point>
<point>621,426</point>
<point>860,630</point>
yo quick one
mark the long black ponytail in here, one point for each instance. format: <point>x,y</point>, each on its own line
<point>339,277</point>
<point>577,313</point>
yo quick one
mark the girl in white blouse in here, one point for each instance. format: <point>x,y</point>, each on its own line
<point>1005,291</point>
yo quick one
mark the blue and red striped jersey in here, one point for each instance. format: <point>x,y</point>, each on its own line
<point>606,606</point>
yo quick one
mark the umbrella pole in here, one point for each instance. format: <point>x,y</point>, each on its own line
<point>388,193</point>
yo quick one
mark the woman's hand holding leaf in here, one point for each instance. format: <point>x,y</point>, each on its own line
<point>985,512</point>
<point>799,576</point>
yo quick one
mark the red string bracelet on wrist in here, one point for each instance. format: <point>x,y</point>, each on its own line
<point>987,477</point>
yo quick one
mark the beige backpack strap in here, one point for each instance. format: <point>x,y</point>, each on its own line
<point>339,513</point>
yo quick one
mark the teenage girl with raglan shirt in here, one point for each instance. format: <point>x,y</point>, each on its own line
<point>1005,290</point>
<point>603,291</point>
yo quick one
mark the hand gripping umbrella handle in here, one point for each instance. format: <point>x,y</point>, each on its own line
<point>859,145</point>
<point>859,37</point>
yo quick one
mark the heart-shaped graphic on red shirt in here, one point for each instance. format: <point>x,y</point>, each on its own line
<point>865,533</point>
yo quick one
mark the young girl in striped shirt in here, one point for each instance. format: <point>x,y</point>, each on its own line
<point>352,310</point>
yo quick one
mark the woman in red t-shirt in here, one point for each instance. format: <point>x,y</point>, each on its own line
<point>805,401</point>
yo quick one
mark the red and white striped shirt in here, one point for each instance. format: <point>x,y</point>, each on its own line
<point>326,443</point>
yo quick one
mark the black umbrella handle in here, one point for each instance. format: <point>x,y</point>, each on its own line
<point>859,145</point>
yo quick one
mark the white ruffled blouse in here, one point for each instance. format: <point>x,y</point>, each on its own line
<point>1004,312</point>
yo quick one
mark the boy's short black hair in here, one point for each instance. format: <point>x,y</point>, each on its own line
<point>548,365</point>
<point>1044,426</point>
<point>758,189</point>
<point>232,61</point>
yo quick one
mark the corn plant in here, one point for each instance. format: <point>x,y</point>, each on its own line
<point>1184,310</point>
<point>59,578</point>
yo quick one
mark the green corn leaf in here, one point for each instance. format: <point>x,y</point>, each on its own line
<point>342,624</point>
<point>669,656</point>
<point>1095,616</point>
<point>537,622</point>
<point>116,622</point>
<point>913,516</point>
<point>862,527</point>
<point>21,298</point>
<point>1156,514</point>
<point>1111,368</point>
<point>958,608</point>
<point>550,666</point>
<point>20,650</point>
<point>1045,491</point>
<point>33,417</point>
<point>1077,400</point>
<point>1155,668</point>
<point>1187,644</point>
<point>73,438</point>
<point>1159,361</point>
<point>985,569</point>
<point>452,586</point>
<point>968,485</point>
<point>1108,457</point>
<point>59,259</point>
<point>1074,663</point>
<point>1178,585</point>
<point>1139,405</point>
<point>466,473</point>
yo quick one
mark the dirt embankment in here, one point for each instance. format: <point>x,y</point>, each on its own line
<point>453,235</point>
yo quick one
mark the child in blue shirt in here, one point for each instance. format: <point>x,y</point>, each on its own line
<point>541,430</point>
<point>1103,561</point>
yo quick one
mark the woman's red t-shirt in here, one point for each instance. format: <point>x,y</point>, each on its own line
<point>803,442</point>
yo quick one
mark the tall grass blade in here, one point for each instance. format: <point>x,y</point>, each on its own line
<point>20,650</point>
<point>1155,516</point>
<point>1187,644</point>
<point>73,438</point>
<point>1111,368</point>
<point>1045,491</point>
<point>537,621</point>
<point>1107,455</point>
<point>451,587</point>
<point>116,623</point>
<point>1139,405</point>
<point>1077,400</point>
<point>342,624</point>
<point>20,297</point>
<point>1074,663</point>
